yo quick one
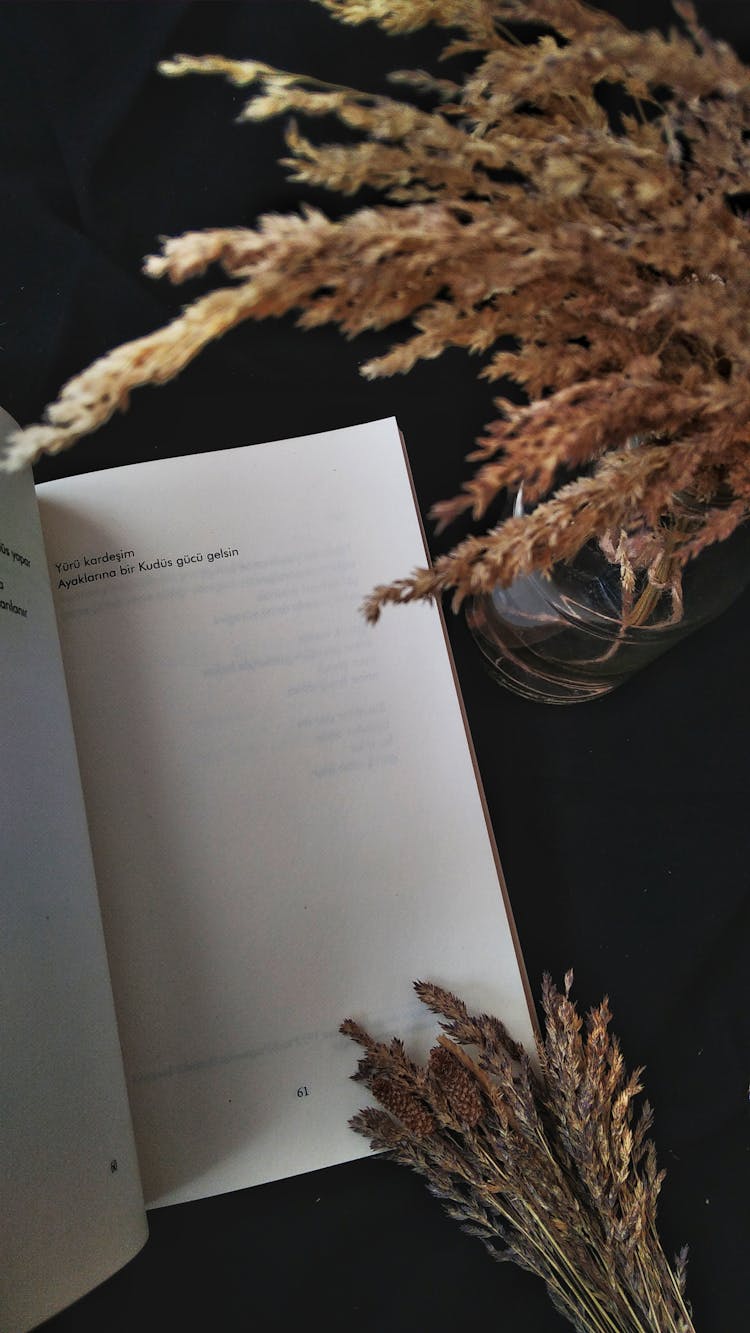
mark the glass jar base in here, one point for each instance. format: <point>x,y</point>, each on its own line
<point>575,632</point>
<point>514,665</point>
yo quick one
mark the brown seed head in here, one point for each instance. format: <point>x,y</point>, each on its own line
<point>456,1083</point>
<point>412,1114</point>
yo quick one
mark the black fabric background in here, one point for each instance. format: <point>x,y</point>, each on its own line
<point>622,825</point>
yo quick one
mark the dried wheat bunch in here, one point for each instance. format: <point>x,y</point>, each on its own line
<point>594,258</point>
<point>555,1173</point>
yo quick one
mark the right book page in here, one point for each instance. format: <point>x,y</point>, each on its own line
<point>286,821</point>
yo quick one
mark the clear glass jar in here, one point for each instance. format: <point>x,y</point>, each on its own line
<point>580,631</point>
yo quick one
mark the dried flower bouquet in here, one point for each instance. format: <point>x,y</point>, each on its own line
<point>555,1173</point>
<point>597,259</point>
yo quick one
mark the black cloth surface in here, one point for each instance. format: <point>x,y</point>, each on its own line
<point>622,824</point>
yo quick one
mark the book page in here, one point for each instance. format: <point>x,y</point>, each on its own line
<point>72,1209</point>
<point>284,811</point>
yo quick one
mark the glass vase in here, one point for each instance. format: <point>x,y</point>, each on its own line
<point>584,629</point>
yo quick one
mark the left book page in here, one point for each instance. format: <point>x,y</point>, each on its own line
<point>72,1206</point>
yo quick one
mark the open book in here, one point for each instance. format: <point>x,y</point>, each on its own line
<point>234,815</point>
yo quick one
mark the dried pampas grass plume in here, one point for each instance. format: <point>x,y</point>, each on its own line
<point>605,244</point>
